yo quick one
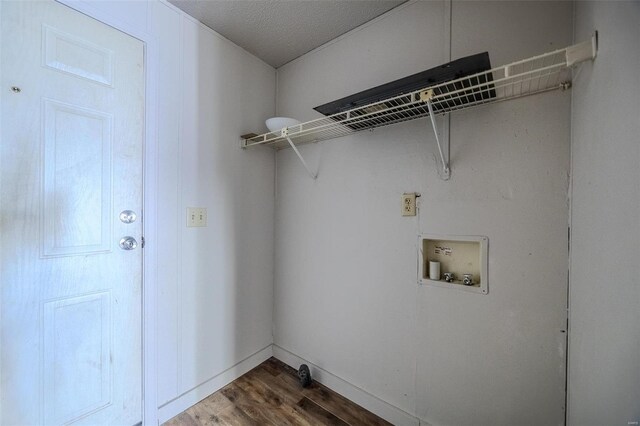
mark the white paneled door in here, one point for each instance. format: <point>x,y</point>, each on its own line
<point>72,93</point>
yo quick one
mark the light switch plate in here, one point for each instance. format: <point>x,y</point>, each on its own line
<point>196,217</point>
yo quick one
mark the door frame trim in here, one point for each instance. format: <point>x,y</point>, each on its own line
<point>150,195</point>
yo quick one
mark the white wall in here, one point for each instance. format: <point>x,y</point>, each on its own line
<point>604,346</point>
<point>215,305</point>
<point>215,284</point>
<point>346,297</point>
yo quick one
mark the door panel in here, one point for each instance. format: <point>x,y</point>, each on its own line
<point>77,56</point>
<point>77,344</point>
<point>76,190</point>
<point>70,162</point>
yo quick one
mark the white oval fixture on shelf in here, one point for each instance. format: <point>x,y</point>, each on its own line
<point>277,123</point>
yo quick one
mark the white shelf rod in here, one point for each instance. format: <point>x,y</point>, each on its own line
<point>285,134</point>
<point>445,162</point>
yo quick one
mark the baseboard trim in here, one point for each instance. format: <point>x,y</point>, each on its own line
<point>361,397</point>
<point>192,397</point>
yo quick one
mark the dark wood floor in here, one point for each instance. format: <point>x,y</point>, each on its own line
<point>271,394</point>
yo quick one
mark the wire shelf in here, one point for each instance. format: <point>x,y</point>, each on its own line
<point>550,71</point>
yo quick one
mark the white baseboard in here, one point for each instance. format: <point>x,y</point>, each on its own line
<point>361,397</point>
<point>186,400</point>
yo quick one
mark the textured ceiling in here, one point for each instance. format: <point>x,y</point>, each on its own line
<point>278,31</point>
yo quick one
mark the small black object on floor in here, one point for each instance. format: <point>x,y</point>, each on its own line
<point>304,375</point>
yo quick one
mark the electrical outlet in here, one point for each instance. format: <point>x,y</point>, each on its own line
<point>196,217</point>
<point>409,204</point>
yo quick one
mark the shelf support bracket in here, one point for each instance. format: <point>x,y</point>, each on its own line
<point>427,96</point>
<point>285,134</point>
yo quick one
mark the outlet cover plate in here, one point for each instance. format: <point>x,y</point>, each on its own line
<point>409,204</point>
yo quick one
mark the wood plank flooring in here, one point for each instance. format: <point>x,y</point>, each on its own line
<point>271,394</point>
